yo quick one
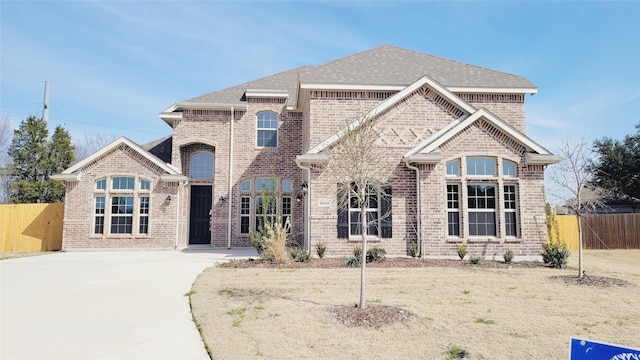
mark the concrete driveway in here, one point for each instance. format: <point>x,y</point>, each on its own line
<point>103,305</point>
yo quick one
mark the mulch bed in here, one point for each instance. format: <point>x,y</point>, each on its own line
<point>591,280</point>
<point>373,316</point>
<point>332,263</point>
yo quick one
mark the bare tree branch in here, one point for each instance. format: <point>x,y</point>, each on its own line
<point>361,167</point>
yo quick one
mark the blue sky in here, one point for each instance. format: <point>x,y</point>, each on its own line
<point>113,66</point>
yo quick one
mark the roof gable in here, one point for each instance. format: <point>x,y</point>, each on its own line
<point>536,154</point>
<point>73,172</point>
<point>390,102</point>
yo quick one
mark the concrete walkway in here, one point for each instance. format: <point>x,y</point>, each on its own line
<point>103,305</point>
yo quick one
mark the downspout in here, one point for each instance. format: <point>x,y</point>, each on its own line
<point>307,206</point>
<point>418,207</point>
<point>229,197</point>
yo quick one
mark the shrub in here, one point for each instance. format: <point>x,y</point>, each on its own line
<point>555,254</point>
<point>462,251</point>
<point>475,260</point>
<point>271,242</point>
<point>299,254</point>
<point>508,256</point>
<point>357,252</point>
<point>376,254</point>
<point>321,247</point>
<point>413,250</point>
<point>352,261</point>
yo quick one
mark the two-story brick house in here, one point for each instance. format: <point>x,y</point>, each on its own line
<point>466,173</point>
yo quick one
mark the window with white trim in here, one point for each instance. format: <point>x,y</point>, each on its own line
<point>453,209</point>
<point>253,194</point>
<point>121,207</point>
<point>489,200</point>
<point>378,220</point>
<point>267,129</point>
<point>201,165</point>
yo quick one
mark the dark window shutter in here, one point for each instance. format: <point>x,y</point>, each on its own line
<point>385,211</point>
<point>343,220</point>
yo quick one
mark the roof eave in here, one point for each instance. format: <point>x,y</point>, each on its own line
<point>541,159</point>
<point>66,177</point>
<point>432,158</point>
<point>493,90</point>
<point>311,159</point>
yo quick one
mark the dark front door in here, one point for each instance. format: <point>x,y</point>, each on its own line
<point>199,232</point>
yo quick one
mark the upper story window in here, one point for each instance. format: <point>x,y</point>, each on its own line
<point>267,129</point>
<point>481,166</point>
<point>201,166</point>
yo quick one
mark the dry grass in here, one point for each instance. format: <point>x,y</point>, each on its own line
<point>490,313</point>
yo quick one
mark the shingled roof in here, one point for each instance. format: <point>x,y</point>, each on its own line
<point>385,65</point>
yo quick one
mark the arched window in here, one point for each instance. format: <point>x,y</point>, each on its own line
<point>201,166</point>
<point>267,129</point>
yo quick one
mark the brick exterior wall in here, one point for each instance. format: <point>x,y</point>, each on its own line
<point>210,130</point>
<point>79,211</point>
<point>401,127</point>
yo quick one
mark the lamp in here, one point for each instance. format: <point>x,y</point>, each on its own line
<point>300,197</point>
<point>305,187</point>
<point>222,200</point>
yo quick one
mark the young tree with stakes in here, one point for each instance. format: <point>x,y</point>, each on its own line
<point>360,166</point>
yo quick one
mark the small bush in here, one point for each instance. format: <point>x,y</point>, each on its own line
<point>303,256</point>
<point>352,261</point>
<point>462,251</point>
<point>321,247</point>
<point>475,260</point>
<point>294,251</point>
<point>508,256</point>
<point>413,250</point>
<point>456,353</point>
<point>357,252</point>
<point>555,254</point>
<point>376,254</point>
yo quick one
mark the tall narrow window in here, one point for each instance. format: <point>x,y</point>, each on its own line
<point>510,219</point>
<point>267,129</point>
<point>286,211</point>
<point>482,210</point>
<point>453,210</point>
<point>245,211</point>
<point>144,215</point>
<point>201,166</point>
<point>98,227</point>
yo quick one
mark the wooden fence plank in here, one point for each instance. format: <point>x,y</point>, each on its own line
<point>603,231</point>
<point>31,227</point>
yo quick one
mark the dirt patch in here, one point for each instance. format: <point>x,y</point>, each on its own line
<point>591,280</point>
<point>373,316</point>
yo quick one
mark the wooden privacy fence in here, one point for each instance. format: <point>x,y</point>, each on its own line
<point>31,227</point>
<point>603,231</point>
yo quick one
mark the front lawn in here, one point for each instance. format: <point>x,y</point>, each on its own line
<point>479,312</point>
